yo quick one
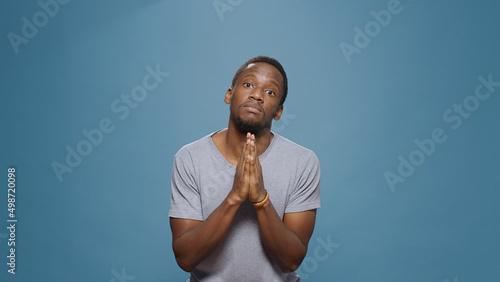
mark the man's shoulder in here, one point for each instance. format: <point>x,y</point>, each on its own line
<point>290,148</point>
<point>195,147</point>
<point>291,152</point>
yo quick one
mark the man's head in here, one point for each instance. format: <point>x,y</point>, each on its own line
<point>256,95</point>
<point>268,60</point>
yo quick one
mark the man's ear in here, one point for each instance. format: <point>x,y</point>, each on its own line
<point>277,116</point>
<point>228,96</point>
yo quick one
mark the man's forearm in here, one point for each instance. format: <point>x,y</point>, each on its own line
<point>192,245</point>
<point>285,245</point>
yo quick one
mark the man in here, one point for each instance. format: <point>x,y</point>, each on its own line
<point>244,199</point>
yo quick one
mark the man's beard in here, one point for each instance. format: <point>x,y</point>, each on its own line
<point>243,127</point>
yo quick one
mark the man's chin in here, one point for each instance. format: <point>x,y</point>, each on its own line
<point>243,126</point>
<point>253,128</point>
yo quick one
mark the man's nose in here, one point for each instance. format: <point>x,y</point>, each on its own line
<point>257,93</point>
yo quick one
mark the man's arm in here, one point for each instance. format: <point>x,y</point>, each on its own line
<point>287,239</point>
<point>193,239</point>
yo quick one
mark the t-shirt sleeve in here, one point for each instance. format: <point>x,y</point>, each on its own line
<point>185,200</point>
<point>305,195</point>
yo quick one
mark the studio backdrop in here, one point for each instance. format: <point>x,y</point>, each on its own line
<point>398,99</point>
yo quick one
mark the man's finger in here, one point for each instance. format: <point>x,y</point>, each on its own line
<point>248,168</point>
<point>240,167</point>
<point>254,159</point>
<point>254,151</point>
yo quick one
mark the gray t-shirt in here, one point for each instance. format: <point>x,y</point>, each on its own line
<point>201,180</point>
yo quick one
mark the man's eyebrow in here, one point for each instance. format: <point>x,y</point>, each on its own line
<point>272,80</point>
<point>252,75</point>
<point>275,83</point>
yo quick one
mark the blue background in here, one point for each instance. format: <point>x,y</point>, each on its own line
<point>109,216</point>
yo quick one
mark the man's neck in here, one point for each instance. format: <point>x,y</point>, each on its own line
<point>230,142</point>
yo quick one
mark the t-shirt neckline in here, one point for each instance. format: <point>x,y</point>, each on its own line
<point>223,160</point>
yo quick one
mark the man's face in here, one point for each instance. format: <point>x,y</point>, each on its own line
<point>255,98</point>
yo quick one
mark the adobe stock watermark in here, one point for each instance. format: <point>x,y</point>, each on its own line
<point>363,37</point>
<point>122,107</point>
<point>224,6</point>
<point>29,29</point>
<point>453,116</point>
<point>284,120</point>
<point>321,252</point>
<point>454,280</point>
<point>121,277</point>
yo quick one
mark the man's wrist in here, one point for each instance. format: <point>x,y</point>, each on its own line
<point>259,197</point>
<point>233,200</point>
<point>263,201</point>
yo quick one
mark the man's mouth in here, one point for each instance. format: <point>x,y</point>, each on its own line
<point>252,107</point>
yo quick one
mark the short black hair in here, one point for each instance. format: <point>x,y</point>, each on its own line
<point>268,60</point>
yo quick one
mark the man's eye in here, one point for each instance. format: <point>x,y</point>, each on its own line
<point>247,84</point>
<point>270,92</point>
